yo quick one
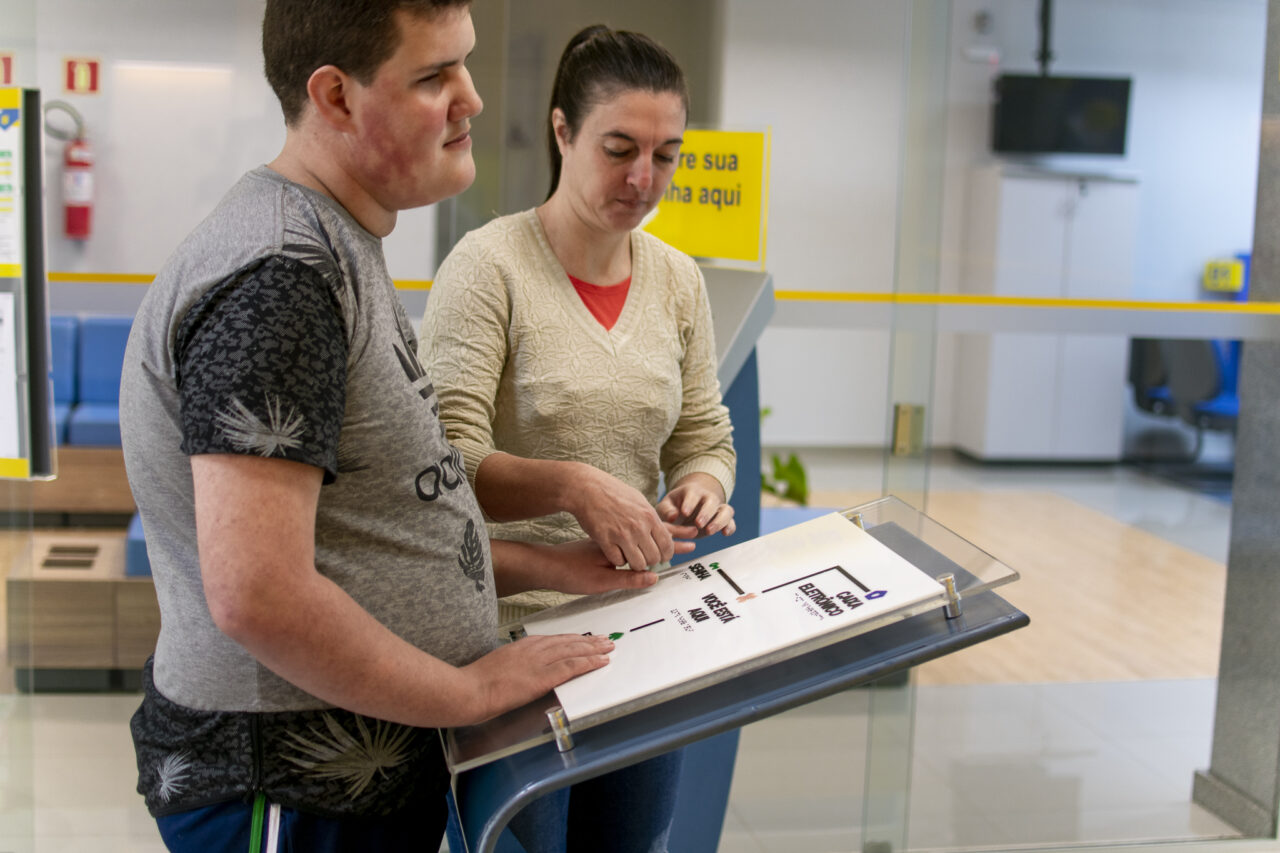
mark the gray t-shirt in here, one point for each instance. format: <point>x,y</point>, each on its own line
<point>275,330</point>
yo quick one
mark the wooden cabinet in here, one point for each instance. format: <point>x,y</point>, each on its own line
<point>69,605</point>
<point>1044,395</point>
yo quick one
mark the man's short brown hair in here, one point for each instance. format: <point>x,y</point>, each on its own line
<point>299,36</point>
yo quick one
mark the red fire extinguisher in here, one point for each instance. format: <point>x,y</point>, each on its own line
<point>77,188</point>
<point>77,172</point>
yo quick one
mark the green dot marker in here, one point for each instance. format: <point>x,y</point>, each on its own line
<point>615,636</point>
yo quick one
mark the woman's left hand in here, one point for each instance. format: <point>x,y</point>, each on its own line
<point>696,507</point>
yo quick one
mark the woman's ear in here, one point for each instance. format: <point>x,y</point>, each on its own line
<point>328,89</point>
<point>560,125</point>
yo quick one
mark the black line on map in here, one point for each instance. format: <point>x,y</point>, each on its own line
<point>647,624</point>
<point>859,584</point>
<point>736,588</point>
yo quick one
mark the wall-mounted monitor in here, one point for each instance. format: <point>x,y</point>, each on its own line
<point>1036,114</point>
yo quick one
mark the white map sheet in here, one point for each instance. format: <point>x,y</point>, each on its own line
<point>733,606</point>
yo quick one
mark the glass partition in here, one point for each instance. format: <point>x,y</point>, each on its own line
<point>912,345</point>
<point>1021,412</point>
<point>975,333</point>
<point>17,753</point>
<point>1087,363</point>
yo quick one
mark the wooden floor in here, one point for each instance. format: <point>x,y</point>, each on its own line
<point>1107,601</point>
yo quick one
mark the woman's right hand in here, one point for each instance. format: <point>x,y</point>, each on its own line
<point>619,519</point>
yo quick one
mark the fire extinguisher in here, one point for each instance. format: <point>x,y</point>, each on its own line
<point>77,173</point>
<point>77,188</point>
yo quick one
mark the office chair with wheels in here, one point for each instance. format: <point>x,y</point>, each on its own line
<point>1149,377</point>
<point>1202,388</point>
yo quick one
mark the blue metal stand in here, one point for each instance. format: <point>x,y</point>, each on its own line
<point>490,794</point>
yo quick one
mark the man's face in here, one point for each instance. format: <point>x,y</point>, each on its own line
<point>411,145</point>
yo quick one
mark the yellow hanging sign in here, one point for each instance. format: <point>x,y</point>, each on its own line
<point>716,206</point>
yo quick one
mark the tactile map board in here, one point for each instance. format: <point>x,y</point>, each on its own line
<point>733,606</point>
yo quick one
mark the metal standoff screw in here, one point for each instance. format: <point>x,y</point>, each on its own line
<point>948,582</point>
<point>560,728</point>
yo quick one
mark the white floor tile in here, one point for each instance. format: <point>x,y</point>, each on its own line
<point>735,837</point>
<point>1142,709</point>
<point>958,828</point>
<point>1096,826</point>
<point>738,841</point>
<point>810,841</point>
<point>994,720</point>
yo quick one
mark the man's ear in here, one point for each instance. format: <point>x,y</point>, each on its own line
<point>328,88</point>
<point>560,125</point>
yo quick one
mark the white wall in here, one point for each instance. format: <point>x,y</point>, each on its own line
<point>1195,114</point>
<point>182,112</point>
<point>829,81</point>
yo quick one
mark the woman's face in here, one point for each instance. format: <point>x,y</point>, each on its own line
<point>618,166</point>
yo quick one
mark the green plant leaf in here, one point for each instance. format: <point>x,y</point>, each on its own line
<point>789,479</point>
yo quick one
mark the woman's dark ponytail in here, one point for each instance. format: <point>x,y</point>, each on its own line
<point>598,63</point>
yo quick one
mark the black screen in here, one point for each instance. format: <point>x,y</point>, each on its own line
<point>1060,115</point>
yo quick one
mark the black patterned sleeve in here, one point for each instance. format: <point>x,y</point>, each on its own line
<point>262,366</point>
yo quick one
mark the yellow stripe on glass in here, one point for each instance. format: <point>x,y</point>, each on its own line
<point>144,278</point>
<point>1024,301</point>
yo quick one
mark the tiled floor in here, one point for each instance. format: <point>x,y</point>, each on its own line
<point>70,764</point>
<point>999,765</point>
<point>993,766</point>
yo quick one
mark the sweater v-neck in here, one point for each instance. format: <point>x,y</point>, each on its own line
<point>573,304</point>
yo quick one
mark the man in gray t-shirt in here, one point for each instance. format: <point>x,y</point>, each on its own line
<point>326,586</point>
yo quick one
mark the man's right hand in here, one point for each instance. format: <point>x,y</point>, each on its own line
<point>517,673</point>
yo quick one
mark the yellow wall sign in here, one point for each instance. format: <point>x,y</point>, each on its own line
<point>1224,276</point>
<point>716,206</point>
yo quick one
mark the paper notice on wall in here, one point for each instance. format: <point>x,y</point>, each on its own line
<point>11,262</point>
<point>734,606</point>
<point>10,183</point>
<point>9,432</point>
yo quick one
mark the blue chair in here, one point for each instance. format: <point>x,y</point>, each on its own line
<point>95,419</point>
<point>1202,383</point>
<point>63,342</point>
<point>1148,377</point>
<point>136,562</point>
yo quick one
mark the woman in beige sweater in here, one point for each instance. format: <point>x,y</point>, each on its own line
<point>575,365</point>
<point>573,353</point>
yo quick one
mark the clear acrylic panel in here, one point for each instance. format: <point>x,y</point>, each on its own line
<point>912,353</point>
<point>527,727</point>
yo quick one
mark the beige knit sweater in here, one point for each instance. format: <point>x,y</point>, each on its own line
<point>521,366</point>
